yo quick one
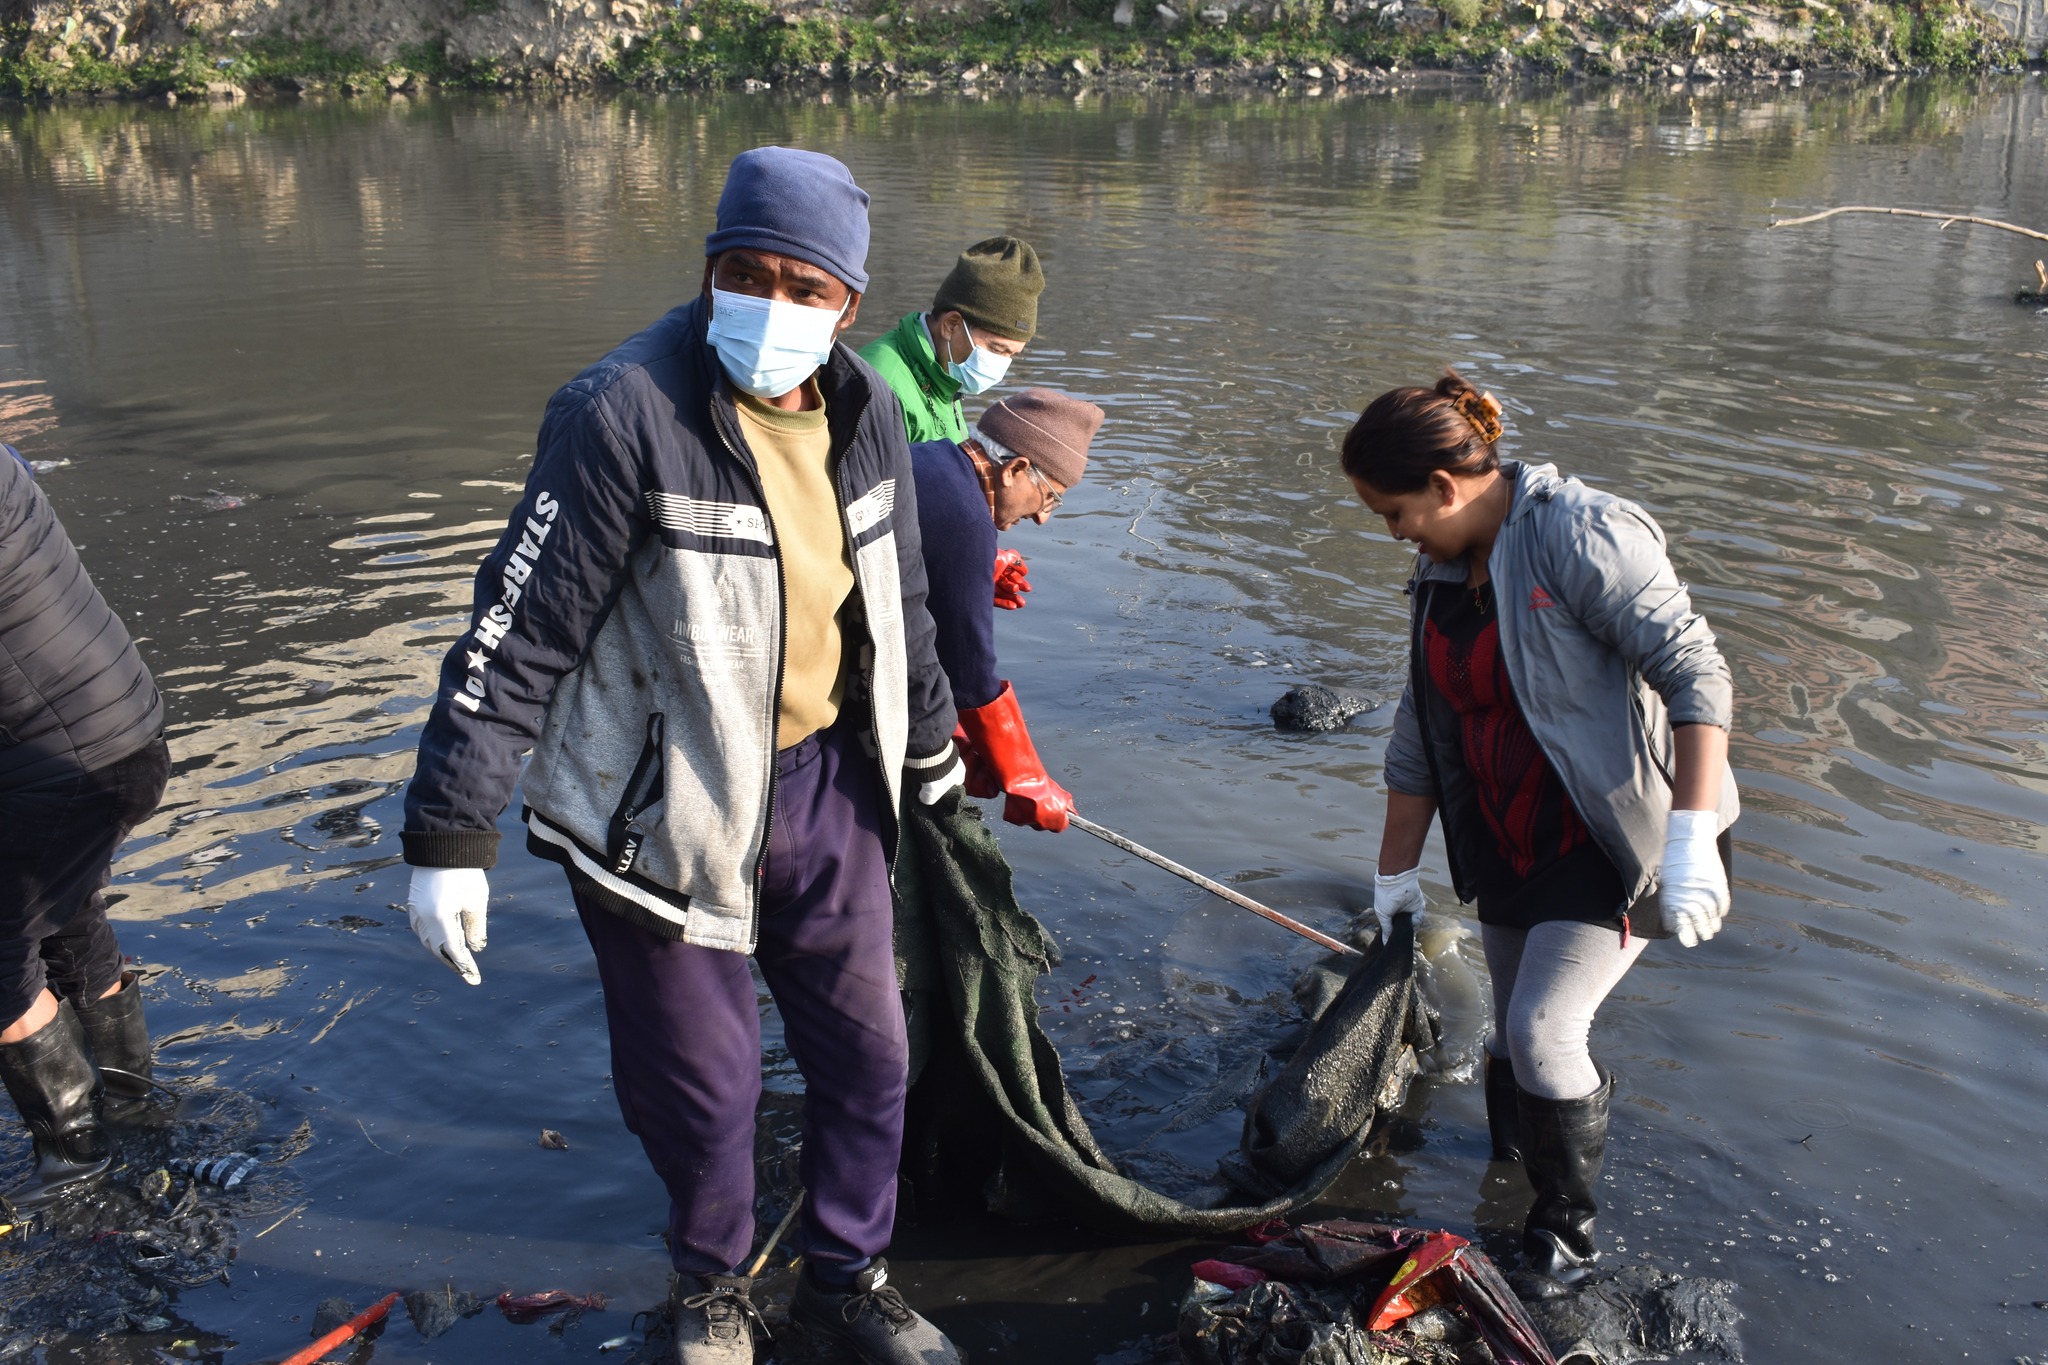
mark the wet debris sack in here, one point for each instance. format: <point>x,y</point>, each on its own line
<point>1355,1061</point>
<point>1341,1292</point>
<point>969,957</point>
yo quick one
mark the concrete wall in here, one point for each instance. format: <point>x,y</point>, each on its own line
<point>2026,20</point>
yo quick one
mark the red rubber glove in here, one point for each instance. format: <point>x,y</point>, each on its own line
<point>981,779</point>
<point>1010,581</point>
<point>996,732</point>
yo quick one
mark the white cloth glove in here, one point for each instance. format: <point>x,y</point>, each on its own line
<point>948,779</point>
<point>1692,891</point>
<point>1400,894</point>
<point>446,906</point>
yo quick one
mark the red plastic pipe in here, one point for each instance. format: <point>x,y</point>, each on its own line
<point>369,1317</point>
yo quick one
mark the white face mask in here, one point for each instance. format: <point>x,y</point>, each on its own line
<point>769,347</point>
<point>982,370</point>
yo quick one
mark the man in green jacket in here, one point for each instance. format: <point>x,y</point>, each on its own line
<point>979,321</point>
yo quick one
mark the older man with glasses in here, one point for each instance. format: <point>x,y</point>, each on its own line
<point>1018,464</point>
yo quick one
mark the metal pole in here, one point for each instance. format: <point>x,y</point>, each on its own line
<point>1237,898</point>
<point>776,1236</point>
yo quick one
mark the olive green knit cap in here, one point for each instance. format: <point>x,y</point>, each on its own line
<point>995,285</point>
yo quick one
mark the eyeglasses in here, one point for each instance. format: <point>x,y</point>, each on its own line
<point>1053,497</point>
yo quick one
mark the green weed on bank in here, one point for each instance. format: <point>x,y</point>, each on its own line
<point>729,40</point>
<point>29,69</point>
<point>718,42</point>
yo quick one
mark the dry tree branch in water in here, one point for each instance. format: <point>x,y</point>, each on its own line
<point>1943,218</point>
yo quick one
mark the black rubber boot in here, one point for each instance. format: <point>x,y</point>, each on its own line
<point>1563,1142</point>
<point>870,1320</point>
<point>51,1079</point>
<point>119,1039</point>
<point>1503,1108</point>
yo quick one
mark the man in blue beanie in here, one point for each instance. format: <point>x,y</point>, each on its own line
<point>707,619</point>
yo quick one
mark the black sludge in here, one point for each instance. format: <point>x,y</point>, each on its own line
<point>1640,1313</point>
<point>434,1311</point>
<point>170,1217</point>
<point>981,1065</point>
<point>1315,708</point>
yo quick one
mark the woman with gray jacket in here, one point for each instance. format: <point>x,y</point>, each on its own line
<point>1566,718</point>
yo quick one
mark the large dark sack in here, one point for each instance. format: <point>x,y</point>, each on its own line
<point>969,955</point>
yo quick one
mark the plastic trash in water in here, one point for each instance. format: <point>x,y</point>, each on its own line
<point>1340,1286</point>
<point>225,1172</point>
<point>1690,12</point>
<point>531,1307</point>
<point>214,500</point>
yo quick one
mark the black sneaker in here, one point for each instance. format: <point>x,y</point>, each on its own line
<point>714,1319</point>
<point>870,1319</point>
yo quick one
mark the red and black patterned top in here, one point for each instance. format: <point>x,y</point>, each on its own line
<point>1539,862</point>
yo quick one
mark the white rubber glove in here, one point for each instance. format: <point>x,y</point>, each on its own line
<point>1400,894</point>
<point>446,906</point>
<point>1692,891</point>
<point>949,779</point>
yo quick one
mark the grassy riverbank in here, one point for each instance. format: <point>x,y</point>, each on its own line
<point>725,40</point>
<point>1279,43</point>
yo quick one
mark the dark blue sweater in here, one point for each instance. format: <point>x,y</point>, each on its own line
<point>959,564</point>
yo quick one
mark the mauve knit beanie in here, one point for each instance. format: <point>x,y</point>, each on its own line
<point>995,285</point>
<point>1050,428</point>
<point>795,203</point>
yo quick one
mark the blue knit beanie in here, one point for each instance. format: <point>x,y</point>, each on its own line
<point>800,204</point>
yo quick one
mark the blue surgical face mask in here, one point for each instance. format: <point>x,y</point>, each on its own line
<point>769,347</point>
<point>982,370</point>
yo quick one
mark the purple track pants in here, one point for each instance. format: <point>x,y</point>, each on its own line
<point>686,1030</point>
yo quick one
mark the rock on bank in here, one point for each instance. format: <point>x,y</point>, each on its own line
<point>569,39</point>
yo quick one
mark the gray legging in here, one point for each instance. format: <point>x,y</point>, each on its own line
<point>1547,983</point>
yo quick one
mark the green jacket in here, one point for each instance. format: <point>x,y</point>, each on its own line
<point>930,397</point>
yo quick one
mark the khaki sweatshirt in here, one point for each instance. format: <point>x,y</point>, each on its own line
<point>793,451</point>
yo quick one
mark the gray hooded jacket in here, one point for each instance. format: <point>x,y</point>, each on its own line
<point>1606,655</point>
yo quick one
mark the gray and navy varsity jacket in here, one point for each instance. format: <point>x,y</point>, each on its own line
<point>75,695</point>
<point>628,628</point>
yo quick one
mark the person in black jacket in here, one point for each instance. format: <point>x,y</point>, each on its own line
<point>82,761</point>
<point>1024,455</point>
<point>707,618</point>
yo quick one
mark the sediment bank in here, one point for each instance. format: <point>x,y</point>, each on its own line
<point>189,49</point>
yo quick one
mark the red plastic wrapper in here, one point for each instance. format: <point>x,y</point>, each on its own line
<point>1229,1274</point>
<point>533,1307</point>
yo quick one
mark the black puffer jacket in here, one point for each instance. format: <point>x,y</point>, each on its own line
<point>74,694</point>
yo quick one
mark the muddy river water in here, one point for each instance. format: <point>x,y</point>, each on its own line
<point>295,356</point>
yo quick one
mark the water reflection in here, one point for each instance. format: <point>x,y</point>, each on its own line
<point>347,316</point>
